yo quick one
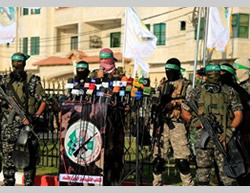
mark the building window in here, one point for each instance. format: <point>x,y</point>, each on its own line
<point>25,45</point>
<point>201,33</point>
<point>183,25</point>
<point>160,33</point>
<point>35,46</point>
<point>240,25</point>
<point>25,11</point>
<point>74,43</point>
<point>115,40</point>
<point>35,11</point>
<point>148,26</point>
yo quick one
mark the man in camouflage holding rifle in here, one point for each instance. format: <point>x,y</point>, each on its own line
<point>27,92</point>
<point>174,132</point>
<point>222,102</point>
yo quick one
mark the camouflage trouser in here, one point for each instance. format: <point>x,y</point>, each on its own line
<point>205,161</point>
<point>176,137</point>
<point>9,134</point>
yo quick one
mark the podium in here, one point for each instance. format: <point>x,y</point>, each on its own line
<point>82,136</point>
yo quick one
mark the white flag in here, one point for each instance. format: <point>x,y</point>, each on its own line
<point>143,65</point>
<point>139,41</point>
<point>7,24</point>
<point>219,28</point>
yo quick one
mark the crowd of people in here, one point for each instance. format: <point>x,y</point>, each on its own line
<point>217,110</point>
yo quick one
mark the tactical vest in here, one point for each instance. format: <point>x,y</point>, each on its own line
<point>180,88</point>
<point>18,86</point>
<point>217,104</point>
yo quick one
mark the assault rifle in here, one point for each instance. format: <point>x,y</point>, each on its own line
<point>21,113</point>
<point>158,111</point>
<point>233,165</point>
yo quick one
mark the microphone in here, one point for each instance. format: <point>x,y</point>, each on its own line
<point>146,82</point>
<point>98,83</point>
<point>136,83</point>
<point>130,81</point>
<point>146,90</point>
<point>116,88</point>
<point>98,87</point>
<point>123,87</point>
<point>105,82</point>
<point>100,94</point>
<point>89,92</point>
<point>133,94</point>
<point>69,84</point>
<point>101,69</point>
<point>108,95</point>
<point>75,91</point>
<point>140,82</point>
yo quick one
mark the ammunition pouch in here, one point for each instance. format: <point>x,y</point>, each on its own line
<point>204,139</point>
<point>235,159</point>
<point>21,153</point>
<point>23,137</point>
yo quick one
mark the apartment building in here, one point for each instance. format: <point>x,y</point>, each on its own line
<point>57,37</point>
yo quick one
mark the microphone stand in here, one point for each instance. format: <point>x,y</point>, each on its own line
<point>137,169</point>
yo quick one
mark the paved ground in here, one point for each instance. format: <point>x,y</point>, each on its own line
<point>18,176</point>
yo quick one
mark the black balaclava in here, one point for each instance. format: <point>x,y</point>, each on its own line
<point>228,77</point>
<point>18,63</point>
<point>82,75</point>
<point>172,69</point>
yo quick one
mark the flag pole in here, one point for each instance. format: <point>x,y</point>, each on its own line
<point>197,46</point>
<point>124,38</point>
<point>17,23</point>
<point>205,37</point>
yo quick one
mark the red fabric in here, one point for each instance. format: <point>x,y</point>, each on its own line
<point>108,64</point>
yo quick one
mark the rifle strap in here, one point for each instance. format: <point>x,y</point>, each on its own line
<point>26,91</point>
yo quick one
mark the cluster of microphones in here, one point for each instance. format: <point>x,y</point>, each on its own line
<point>124,90</point>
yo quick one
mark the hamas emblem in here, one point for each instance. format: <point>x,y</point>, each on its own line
<point>83,142</point>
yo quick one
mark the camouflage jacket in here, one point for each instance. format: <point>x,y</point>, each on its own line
<point>30,94</point>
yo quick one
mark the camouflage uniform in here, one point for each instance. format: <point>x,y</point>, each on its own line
<point>11,128</point>
<point>205,158</point>
<point>177,136</point>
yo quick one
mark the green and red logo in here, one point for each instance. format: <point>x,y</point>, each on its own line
<point>83,142</point>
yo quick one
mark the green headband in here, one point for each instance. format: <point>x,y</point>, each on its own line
<point>106,55</point>
<point>82,65</point>
<point>172,66</point>
<point>212,67</point>
<point>227,68</point>
<point>18,58</point>
<point>239,66</point>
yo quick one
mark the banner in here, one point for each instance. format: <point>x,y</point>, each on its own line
<point>139,41</point>
<point>7,24</point>
<point>81,144</point>
<point>219,27</point>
